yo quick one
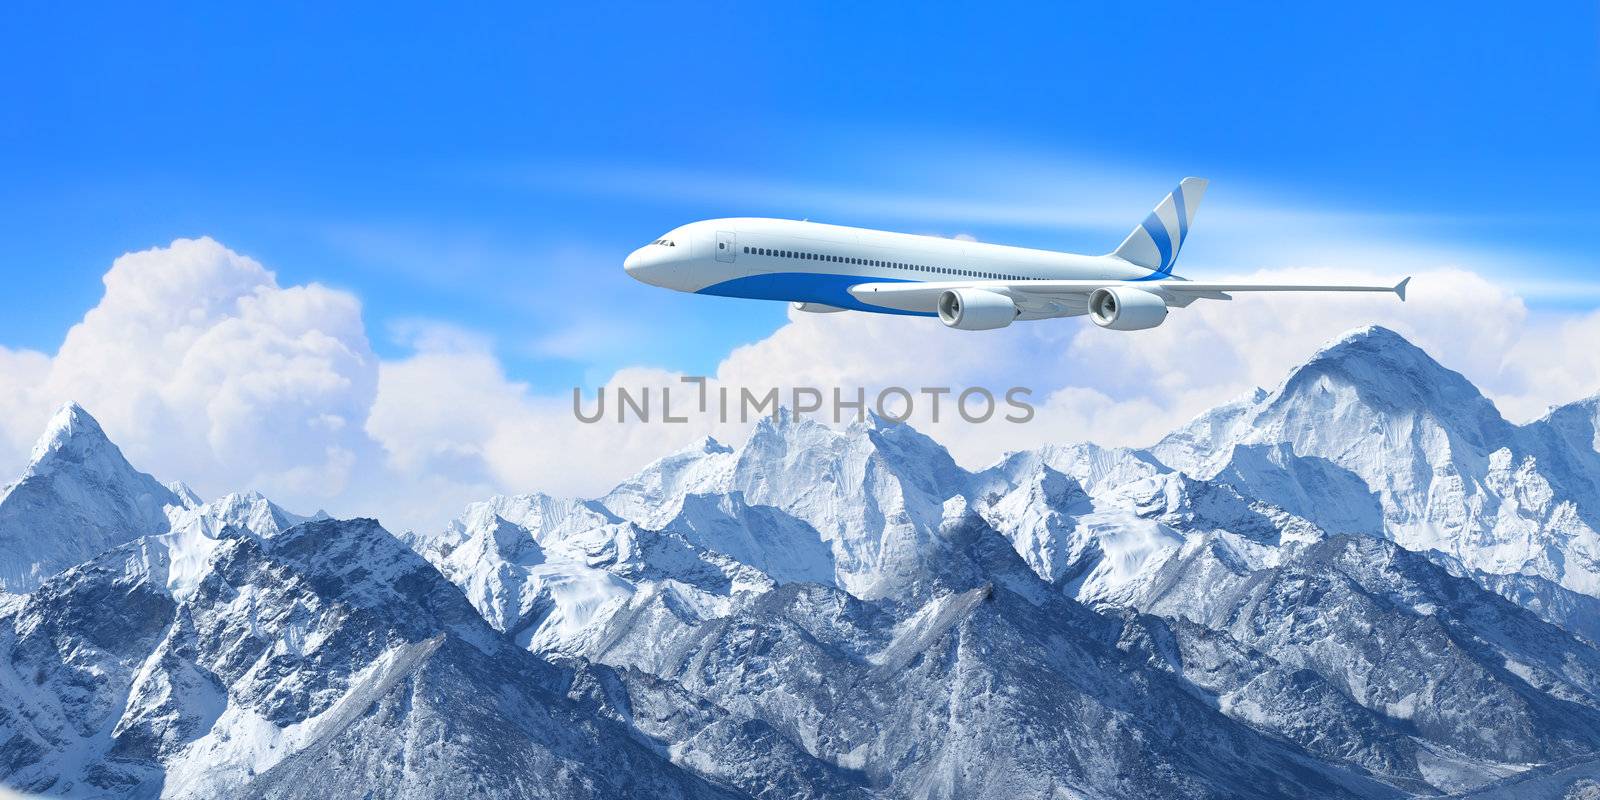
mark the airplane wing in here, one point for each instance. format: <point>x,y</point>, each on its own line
<point>1071,296</point>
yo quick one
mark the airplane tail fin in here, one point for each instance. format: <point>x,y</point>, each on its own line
<point>1155,243</point>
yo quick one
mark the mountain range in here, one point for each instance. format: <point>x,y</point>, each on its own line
<point>1364,582</point>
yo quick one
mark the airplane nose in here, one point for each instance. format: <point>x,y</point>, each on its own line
<point>643,265</point>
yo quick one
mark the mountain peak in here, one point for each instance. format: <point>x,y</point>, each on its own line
<point>786,426</point>
<point>1371,341</point>
<point>782,419</point>
<point>185,493</point>
<point>707,444</point>
<point>1390,372</point>
<point>876,421</point>
<point>77,498</point>
<point>1366,381</point>
<point>72,434</point>
<point>1373,333</point>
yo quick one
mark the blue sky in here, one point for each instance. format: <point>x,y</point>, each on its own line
<point>490,168</point>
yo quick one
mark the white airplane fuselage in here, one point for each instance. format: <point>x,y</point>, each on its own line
<point>968,285</point>
<point>816,264</point>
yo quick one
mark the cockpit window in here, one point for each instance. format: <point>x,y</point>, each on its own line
<point>665,243</point>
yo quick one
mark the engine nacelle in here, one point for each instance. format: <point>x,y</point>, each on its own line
<point>1123,308</point>
<point>814,308</point>
<point>976,309</point>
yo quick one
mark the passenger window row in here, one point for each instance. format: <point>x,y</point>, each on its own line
<point>867,262</point>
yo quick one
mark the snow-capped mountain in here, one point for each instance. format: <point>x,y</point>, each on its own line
<point>319,662</point>
<point>1364,583</point>
<point>1372,435</point>
<point>1361,650</point>
<point>248,510</point>
<point>873,492</point>
<point>77,498</point>
<point>549,572</point>
<point>997,686</point>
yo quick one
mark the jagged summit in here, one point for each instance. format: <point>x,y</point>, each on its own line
<point>186,493</point>
<point>1369,338</point>
<point>250,511</point>
<point>783,421</point>
<point>73,435</point>
<point>707,444</point>
<point>1372,435</point>
<point>68,417</point>
<point>77,498</point>
<point>1371,344</point>
<point>1391,372</point>
<point>1378,334</point>
<point>1373,376</point>
<point>1369,383</point>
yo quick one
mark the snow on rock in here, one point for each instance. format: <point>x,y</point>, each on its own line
<point>1372,436</point>
<point>324,661</point>
<point>653,496</point>
<point>873,492</point>
<point>77,498</point>
<point>763,537</point>
<point>549,571</point>
<point>1435,657</point>
<point>247,510</point>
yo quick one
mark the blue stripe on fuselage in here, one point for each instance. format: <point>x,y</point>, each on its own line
<point>810,287</point>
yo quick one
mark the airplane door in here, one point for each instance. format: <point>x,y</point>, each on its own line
<point>726,242</point>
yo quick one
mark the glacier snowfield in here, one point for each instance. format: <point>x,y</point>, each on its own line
<point>1363,583</point>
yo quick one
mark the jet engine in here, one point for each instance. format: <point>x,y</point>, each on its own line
<point>1122,308</point>
<point>976,309</point>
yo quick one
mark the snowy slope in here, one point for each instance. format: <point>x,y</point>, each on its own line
<point>320,662</point>
<point>548,571</point>
<point>874,493</point>
<point>976,693</point>
<point>1359,649</point>
<point>1372,436</point>
<point>77,498</point>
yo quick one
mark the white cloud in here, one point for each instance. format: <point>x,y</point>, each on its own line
<point>23,411</point>
<point>436,410</point>
<point>201,367</point>
<point>1552,362</point>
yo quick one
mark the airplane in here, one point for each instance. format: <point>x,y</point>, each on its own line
<point>967,285</point>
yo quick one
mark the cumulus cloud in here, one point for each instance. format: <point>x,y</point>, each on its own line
<point>436,409</point>
<point>203,368</point>
<point>206,370</point>
<point>23,409</point>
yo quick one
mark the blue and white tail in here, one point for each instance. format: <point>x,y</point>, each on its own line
<point>1154,245</point>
